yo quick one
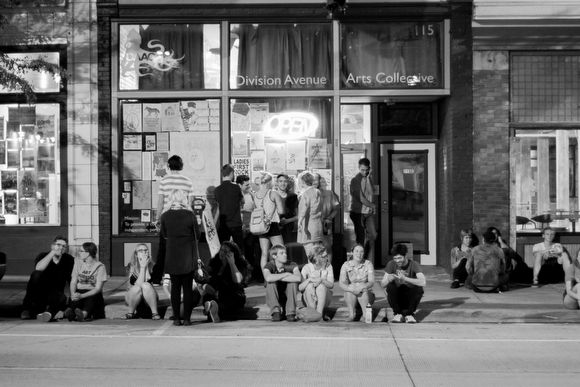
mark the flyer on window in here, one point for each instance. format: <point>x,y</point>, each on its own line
<point>241,166</point>
<point>132,117</point>
<point>240,144</point>
<point>296,155</point>
<point>162,141</point>
<point>132,165</point>
<point>317,153</point>
<point>132,142</point>
<point>142,195</point>
<point>159,161</point>
<point>276,157</point>
<point>147,166</point>
<point>152,117</point>
<point>171,117</point>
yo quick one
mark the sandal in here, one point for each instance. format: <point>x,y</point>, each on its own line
<point>131,316</point>
<point>155,316</point>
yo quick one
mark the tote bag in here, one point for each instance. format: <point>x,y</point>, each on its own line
<point>259,222</point>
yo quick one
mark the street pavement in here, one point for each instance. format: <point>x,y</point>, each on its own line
<point>522,337</point>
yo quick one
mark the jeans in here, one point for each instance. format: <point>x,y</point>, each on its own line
<point>460,272</point>
<point>404,299</point>
<point>366,232</point>
<point>282,293</point>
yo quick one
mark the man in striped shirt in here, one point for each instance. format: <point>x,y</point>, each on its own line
<point>174,180</point>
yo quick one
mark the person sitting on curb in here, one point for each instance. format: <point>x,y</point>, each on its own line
<point>486,267</point>
<point>86,286</point>
<point>282,278</point>
<point>403,283</point>
<point>226,297</point>
<point>459,256</point>
<point>357,277</point>
<point>140,283</point>
<point>549,259</point>
<point>318,281</point>
<point>45,296</point>
<point>571,299</point>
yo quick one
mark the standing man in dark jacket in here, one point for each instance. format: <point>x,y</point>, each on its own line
<point>230,199</point>
<point>45,290</point>
<point>362,208</point>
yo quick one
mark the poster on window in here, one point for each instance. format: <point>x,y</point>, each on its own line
<point>150,142</point>
<point>317,153</point>
<point>295,155</point>
<point>10,203</point>
<point>275,157</point>
<point>152,117</point>
<point>259,113</point>
<point>27,184</point>
<point>159,165</point>
<point>162,141</point>
<point>171,117</point>
<point>9,180</point>
<point>132,117</point>
<point>132,168</point>
<point>241,166</point>
<point>147,166</point>
<point>240,144</point>
<point>258,160</point>
<point>195,115</point>
<point>200,158</point>
<point>132,142</point>
<point>142,195</point>
<point>240,117</point>
<point>256,140</point>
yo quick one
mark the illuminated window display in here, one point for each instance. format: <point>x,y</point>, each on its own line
<point>281,135</point>
<point>29,164</point>
<point>151,132</point>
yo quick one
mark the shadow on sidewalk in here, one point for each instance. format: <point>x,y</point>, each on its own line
<point>426,307</point>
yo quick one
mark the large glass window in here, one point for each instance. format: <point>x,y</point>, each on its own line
<point>29,164</point>
<point>280,56</point>
<point>546,174</point>
<point>403,55</point>
<point>169,57</point>
<point>153,131</point>
<point>281,135</point>
<point>41,81</point>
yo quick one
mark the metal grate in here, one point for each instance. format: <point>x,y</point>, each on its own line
<point>545,88</point>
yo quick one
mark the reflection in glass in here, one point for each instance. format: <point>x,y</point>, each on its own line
<point>169,57</point>
<point>408,187</point>
<point>546,175</point>
<point>280,56</point>
<point>41,81</point>
<point>355,124</point>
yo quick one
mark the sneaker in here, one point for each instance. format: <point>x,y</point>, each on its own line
<point>291,318</point>
<point>410,319</point>
<point>69,314</point>
<point>398,318</point>
<point>59,315</point>
<point>535,284</point>
<point>79,315</point>
<point>276,317</point>
<point>454,284</point>
<point>44,317</point>
<point>25,315</point>
<point>213,311</point>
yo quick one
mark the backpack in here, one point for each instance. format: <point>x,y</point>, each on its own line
<point>259,222</point>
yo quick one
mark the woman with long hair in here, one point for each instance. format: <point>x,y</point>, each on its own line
<point>140,288</point>
<point>180,230</point>
<point>309,213</point>
<point>459,256</point>
<point>271,202</point>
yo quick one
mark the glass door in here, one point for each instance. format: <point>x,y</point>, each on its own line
<point>407,195</point>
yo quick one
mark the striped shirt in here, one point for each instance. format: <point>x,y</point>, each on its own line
<point>172,182</point>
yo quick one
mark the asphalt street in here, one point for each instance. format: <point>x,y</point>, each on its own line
<point>262,353</point>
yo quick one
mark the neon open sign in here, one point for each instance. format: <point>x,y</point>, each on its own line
<point>291,125</point>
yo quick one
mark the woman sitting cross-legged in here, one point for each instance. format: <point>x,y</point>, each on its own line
<point>318,281</point>
<point>140,283</point>
<point>357,277</point>
<point>86,286</point>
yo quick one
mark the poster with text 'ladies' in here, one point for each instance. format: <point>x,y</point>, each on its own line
<point>201,162</point>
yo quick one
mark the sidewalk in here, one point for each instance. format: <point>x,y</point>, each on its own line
<point>440,304</point>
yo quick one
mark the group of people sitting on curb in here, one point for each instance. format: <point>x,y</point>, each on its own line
<point>292,293</point>
<point>492,265</point>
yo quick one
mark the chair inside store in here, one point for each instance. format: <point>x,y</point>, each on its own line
<point>524,222</point>
<point>542,221</point>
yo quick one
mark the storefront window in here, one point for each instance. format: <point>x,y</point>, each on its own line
<point>153,131</point>
<point>159,57</point>
<point>546,173</point>
<point>404,55</point>
<point>29,164</point>
<point>281,135</point>
<point>280,56</point>
<point>41,81</point>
